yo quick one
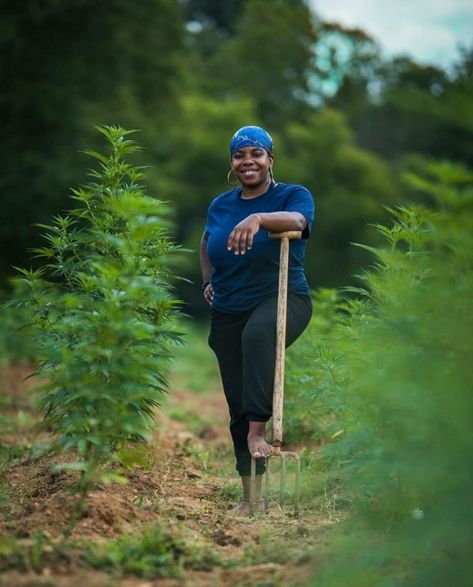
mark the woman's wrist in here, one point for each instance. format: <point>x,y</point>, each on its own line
<point>204,285</point>
<point>259,219</point>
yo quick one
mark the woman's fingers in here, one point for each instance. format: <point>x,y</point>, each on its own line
<point>234,241</point>
<point>240,241</point>
<point>209,294</point>
<point>243,242</point>
<point>249,240</point>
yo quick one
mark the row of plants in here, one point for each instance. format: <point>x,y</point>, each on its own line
<point>382,379</point>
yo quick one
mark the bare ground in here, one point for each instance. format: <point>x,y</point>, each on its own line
<point>186,487</point>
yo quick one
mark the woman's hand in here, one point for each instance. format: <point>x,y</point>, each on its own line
<point>208,293</point>
<point>240,239</point>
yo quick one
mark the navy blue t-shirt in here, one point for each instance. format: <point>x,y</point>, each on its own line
<point>241,282</point>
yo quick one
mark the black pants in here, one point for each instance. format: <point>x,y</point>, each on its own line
<point>245,346</point>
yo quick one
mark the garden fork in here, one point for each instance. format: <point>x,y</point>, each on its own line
<point>278,387</point>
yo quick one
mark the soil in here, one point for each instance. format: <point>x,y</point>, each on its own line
<point>186,486</point>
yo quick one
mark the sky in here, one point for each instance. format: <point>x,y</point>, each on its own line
<point>427,30</point>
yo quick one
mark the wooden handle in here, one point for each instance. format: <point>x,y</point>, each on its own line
<point>278,387</point>
<point>291,234</point>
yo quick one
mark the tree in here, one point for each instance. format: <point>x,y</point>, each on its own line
<point>347,62</point>
<point>222,14</point>
<point>66,66</point>
<point>269,58</point>
<point>350,185</point>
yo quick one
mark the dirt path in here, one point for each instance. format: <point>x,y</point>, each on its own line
<point>185,486</point>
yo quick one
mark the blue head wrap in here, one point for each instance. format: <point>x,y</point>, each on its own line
<point>251,136</point>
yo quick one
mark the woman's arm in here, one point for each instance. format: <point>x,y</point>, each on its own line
<point>206,268</point>
<point>241,237</point>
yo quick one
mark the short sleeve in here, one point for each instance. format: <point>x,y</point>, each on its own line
<point>301,200</point>
<point>210,223</point>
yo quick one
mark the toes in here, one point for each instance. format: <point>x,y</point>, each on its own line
<point>261,453</point>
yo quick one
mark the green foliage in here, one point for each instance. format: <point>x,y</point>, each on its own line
<point>32,555</point>
<point>350,186</point>
<point>192,363</point>
<point>72,65</point>
<point>398,360</point>
<point>14,320</point>
<point>154,553</point>
<point>183,71</point>
<point>312,402</point>
<point>280,91</point>
<point>104,311</point>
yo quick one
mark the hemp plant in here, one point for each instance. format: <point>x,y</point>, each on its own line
<point>104,314</point>
<point>391,372</point>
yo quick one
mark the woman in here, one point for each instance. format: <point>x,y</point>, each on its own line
<point>240,263</point>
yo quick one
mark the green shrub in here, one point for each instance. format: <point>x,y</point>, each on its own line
<point>399,361</point>
<point>104,313</point>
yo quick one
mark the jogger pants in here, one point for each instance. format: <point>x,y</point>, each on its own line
<point>245,346</point>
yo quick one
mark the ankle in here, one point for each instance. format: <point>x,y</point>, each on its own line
<point>256,429</point>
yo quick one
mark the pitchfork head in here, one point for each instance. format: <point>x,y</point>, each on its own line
<point>284,456</point>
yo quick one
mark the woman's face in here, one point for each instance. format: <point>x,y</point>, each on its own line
<point>251,165</point>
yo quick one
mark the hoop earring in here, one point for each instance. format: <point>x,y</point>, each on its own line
<point>228,179</point>
<point>271,175</point>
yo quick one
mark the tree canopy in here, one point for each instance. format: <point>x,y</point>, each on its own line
<point>346,122</point>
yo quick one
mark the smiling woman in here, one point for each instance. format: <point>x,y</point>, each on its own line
<point>240,264</point>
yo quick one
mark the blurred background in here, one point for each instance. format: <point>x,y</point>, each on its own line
<point>355,94</point>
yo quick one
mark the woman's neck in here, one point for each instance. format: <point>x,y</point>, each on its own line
<point>248,192</point>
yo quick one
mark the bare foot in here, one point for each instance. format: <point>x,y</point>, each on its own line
<point>258,447</point>
<point>257,444</point>
<point>243,508</point>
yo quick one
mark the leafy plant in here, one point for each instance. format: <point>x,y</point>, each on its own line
<point>402,381</point>
<point>104,313</point>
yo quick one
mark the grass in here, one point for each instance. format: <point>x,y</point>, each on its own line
<point>153,553</point>
<point>194,362</point>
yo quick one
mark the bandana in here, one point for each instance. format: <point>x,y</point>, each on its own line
<point>251,136</point>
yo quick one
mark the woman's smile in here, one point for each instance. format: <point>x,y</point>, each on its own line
<point>251,166</point>
<point>249,172</point>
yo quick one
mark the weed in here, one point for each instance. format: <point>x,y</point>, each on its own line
<point>154,553</point>
<point>230,491</point>
<point>9,453</point>
<point>32,554</point>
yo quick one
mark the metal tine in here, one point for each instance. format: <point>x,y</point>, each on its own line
<point>282,478</point>
<point>284,455</point>
<point>253,486</point>
<point>297,458</point>
<point>267,483</point>
<point>298,485</point>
